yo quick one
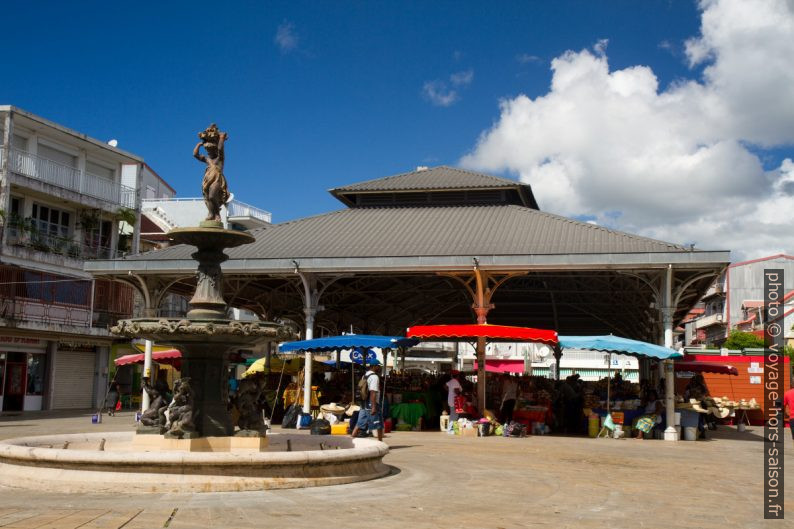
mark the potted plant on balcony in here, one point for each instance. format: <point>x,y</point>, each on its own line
<point>126,218</point>
<point>89,220</point>
<point>19,229</point>
<point>73,250</point>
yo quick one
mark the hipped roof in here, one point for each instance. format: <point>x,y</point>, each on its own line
<point>430,231</point>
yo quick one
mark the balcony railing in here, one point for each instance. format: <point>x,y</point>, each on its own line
<point>44,312</point>
<point>21,235</point>
<point>177,207</point>
<point>708,321</point>
<point>241,209</point>
<point>66,177</point>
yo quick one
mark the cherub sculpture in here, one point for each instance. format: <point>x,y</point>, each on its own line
<point>213,187</point>
<point>155,414</point>
<point>181,411</point>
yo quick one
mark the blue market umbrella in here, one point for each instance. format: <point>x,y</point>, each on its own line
<point>332,344</point>
<point>357,342</point>
<point>615,344</point>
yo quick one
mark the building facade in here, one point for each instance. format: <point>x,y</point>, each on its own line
<point>735,302</point>
<point>64,199</point>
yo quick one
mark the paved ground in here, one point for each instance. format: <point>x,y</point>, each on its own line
<point>446,481</point>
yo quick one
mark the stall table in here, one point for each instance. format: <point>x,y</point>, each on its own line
<point>409,412</point>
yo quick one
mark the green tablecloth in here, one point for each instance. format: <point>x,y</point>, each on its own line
<point>431,400</point>
<point>409,413</point>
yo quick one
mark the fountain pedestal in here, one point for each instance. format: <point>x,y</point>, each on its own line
<point>206,336</point>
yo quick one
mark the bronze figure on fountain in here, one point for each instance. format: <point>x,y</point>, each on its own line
<point>213,187</point>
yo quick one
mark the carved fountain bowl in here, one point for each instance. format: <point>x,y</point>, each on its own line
<point>210,237</point>
<point>221,331</point>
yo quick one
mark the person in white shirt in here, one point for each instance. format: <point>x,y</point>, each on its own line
<point>451,386</point>
<point>369,418</point>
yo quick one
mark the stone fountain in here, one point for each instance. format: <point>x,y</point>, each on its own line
<point>206,336</point>
<point>191,444</point>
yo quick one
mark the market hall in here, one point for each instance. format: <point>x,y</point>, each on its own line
<point>444,245</point>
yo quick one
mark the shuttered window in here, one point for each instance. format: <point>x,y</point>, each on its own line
<point>73,380</point>
<point>55,155</point>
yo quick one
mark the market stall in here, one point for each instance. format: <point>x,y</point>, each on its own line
<point>482,333</point>
<point>359,345</point>
<point>622,400</point>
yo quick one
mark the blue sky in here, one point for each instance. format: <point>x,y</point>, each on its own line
<point>320,94</point>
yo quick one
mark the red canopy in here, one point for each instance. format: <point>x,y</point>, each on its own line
<point>170,357</point>
<point>491,332</point>
<point>705,367</point>
<point>502,366</point>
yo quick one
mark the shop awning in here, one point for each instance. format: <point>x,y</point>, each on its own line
<point>502,366</point>
<point>503,333</point>
<point>705,367</point>
<point>169,356</point>
<point>616,344</point>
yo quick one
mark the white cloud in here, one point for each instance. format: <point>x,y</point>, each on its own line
<point>286,39</point>
<point>681,164</point>
<point>526,58</point>
<point>438,93</point>
<point>443,94</point>
<point>462,78</point>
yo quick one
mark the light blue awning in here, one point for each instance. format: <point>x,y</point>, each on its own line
<point>616,344</point>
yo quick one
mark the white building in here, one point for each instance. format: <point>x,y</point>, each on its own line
<point>63,198</point>
<point>735,302</point>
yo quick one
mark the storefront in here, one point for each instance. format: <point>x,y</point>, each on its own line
<point>73,377</point>
<point>23,373</point>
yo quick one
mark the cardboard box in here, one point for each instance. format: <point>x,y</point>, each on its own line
<point>468,432</point>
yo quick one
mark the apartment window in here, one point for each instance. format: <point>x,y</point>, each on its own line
<point>99,170</point>
<point>57,156</point>
<point>16,207</point>
<point>18,142</point>
<point>51,221</point>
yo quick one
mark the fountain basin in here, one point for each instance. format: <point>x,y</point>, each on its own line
<point>41,463</point>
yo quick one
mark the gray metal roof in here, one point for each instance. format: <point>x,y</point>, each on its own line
<point>441,177</point>
<point>430,231</point>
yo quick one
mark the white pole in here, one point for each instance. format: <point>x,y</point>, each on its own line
<point>307,368</point>
<point>147,372</point>
<point>670,433</point>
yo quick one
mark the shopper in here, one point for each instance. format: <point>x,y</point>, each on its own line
<point>453,387</point>
<point>369,418</point>
<point>112,398</point>
<point>509,396</point>
<point>788,409</point>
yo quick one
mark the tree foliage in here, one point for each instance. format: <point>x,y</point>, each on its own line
<point>743,340</point>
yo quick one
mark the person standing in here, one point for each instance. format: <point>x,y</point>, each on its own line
<point>369,418</point>
<point>788,409</point>
<point>453,387</point>
<point>112,398</point>
<point>509,396</point>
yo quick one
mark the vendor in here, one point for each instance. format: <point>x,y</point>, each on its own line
<point>652,414</point>
<point>509,396</point>
<point>697,389</point>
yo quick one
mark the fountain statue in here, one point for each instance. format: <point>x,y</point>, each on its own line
<point>213,187</point>
<point>206,336</point>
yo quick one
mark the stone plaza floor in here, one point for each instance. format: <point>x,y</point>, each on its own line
<point>448,481</point>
